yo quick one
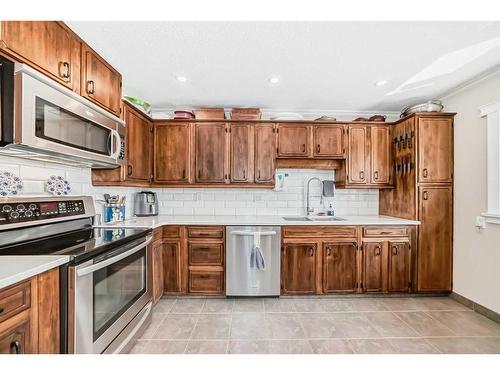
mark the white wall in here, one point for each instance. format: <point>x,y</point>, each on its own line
<point>206,201</point>
<point>476,264</point>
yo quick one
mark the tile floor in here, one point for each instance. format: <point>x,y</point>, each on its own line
<point>317,325</point>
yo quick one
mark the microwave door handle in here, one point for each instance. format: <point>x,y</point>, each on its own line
<point>115,140</point>
<point>97,266</point>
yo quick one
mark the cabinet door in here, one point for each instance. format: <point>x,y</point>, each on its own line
<point>329,141</point>
<point>399,266</point>
<point>172,267</point>
<point>293,140</point>
<point>241,142</point>
<point>157,268</point>
<point>139,145</point>
<point>210,152</point>
<point>101,83</point>
<point>47,45</point>
<point>265,153</point>
<point>357,159</point>
<point>16,337</point>
<point>435,238</point>
<point>206,282</point>
<point>299,268</point>
<point>172,152</point>
<point>373,270</point>
<point>435,150</point>
<point>339,267</point>
<point>380,155</point>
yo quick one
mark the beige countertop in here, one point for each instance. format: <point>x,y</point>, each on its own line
<point>15,268</point>
<point>158,221</point>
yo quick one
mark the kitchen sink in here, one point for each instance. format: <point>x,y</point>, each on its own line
<point>313,218</point>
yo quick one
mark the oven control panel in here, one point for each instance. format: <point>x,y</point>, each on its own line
<point>11,213</point>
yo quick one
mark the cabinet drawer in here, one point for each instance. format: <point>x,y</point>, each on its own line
<point>15,335</point>
<point>319,231</point>
<point>385,231</point>
<point>205,232</point>
<point>172,231</point>
<point>14,299</point>
<point>205,253</point>
<point>206,282</point>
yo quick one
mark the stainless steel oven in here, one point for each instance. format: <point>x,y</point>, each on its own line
<point>109,299</point>
<point>52,123</point>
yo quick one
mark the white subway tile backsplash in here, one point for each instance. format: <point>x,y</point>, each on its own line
<point>208,201</point>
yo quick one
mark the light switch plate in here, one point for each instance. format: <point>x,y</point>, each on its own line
<point>480,222</point>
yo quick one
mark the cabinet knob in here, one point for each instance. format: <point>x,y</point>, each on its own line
<point>91,87</point>
<point>67,70</point>
<point>15,347</point>
<point>425,173</point>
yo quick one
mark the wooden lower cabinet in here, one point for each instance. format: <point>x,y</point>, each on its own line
<point>373,267</point>
<point>399,267</point>
<point>298,265</point>
<point>157,269</point>
<point>340,267</point>
<point>206,282</point>
<point>29,315</point>
<point>171,257</point>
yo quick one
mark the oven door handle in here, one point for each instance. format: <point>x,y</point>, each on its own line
<point>97,266</point>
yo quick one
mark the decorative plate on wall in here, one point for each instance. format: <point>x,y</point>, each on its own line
<point>10,184</point>
<point>57,185</point>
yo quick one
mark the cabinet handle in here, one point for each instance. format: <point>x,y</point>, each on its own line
<point>225,177</point>
<point>377,250</point>
<point>318,148</point>
<point>183,174</point>
<point>362,175</point>
<point>16,345</point>
<point>204,248</point>
<point>311,251</point>
<point>375,175</point>
<point>1,310</point>
<point>258,177</point>
<point>303,147</point>
<point>328,251</point>
<point>199,174</point>
<point>426,195</point>
<point>204,276</point>
<point>129,170</point>
<point>425,173</point>
<point>91,87</point>
<point>244,175</point>
<point>394,250</point>
<point>67,70</point>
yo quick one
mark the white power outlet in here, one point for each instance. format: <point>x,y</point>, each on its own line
<point>480,222</point>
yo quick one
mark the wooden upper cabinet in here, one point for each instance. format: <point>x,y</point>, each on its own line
<point>373,267</point>
<point>435,238</point>
<point>241,153</point>
<point>357,160</point>
<point>339,267</point>
<point>210,153</point>
<point>328,141</point>
<point>139,145</point>
<point>380,154</point>
<point>48,46</point>
<point>294,140</point>
<point>172,153</point>
<point>435,149</point>
<point>264,153</point>
<point>101,83</point>
<point>298,267</point>
<point>399,267</point>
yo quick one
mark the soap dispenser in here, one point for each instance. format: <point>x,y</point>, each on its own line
<point>330,211</point>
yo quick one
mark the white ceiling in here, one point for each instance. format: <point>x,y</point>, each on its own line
<point>321,65</point>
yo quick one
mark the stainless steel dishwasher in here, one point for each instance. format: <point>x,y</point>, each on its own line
<point>253,260</point>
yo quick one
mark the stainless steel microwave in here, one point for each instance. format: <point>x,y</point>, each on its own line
<point>52,123</point>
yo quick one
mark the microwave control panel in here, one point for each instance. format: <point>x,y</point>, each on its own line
<point>33,211</point>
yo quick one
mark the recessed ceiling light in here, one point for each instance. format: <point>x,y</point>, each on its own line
<point>181,79</point>
<point>380,83</point>
<point>274,80</point>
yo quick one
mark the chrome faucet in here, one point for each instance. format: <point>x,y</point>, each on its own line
<point>308,208</point>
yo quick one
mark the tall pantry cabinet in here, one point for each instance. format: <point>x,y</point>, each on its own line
<point>422,149</point>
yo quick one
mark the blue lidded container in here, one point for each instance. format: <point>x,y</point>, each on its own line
<point>114,212</point>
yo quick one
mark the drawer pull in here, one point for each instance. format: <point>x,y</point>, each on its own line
<point>204,248</point>
<point>16,345</point>
<point>203,276</point>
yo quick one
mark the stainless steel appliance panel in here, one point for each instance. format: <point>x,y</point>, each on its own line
<point>241,278</point>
